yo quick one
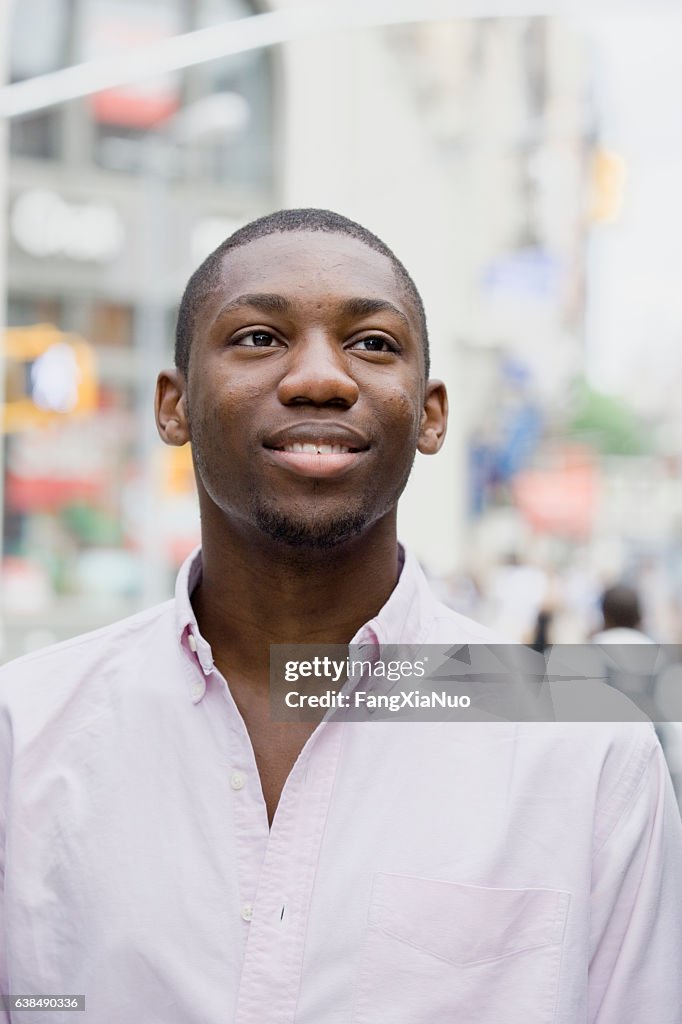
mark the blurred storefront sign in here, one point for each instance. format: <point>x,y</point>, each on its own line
<point>43,223</point>
<point>24,494</point>
<point>71,237</point>
<point>51,468</point>
<point>562,498</point>
<point>49,375</point>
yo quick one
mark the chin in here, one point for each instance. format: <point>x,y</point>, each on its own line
<point>316,534</point>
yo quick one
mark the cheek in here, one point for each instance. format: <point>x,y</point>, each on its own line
<point>400,415</point>
<point>216,402</point>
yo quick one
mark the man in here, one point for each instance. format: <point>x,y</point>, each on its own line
<point>179,858</point>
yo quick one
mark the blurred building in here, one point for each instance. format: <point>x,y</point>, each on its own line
<point>113,201</point>
<point>511,105</point>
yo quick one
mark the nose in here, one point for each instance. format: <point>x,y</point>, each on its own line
<point>317,374</point>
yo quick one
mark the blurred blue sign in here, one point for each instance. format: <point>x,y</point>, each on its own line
<point>532,273</point>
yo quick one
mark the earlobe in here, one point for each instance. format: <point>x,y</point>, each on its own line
<point>170,408</point>
<point>434,418</point>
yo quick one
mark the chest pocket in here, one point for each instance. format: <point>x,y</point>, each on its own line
<point>437,952</point>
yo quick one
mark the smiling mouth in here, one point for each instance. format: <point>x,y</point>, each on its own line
<point>316,460</point>
<point>317,449</point>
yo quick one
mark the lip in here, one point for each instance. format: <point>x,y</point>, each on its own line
<point>317,432</point>
<point>313,465</point>
<point>321,467</point>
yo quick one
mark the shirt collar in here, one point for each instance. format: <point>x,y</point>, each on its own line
<point>186,625</point>
<point>409,611</point>
<point>404,619</point>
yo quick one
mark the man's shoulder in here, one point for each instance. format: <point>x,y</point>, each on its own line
<point>422,618</point>
<point>448,626</point>
<point>70,660</point>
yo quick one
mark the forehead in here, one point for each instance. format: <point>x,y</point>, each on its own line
<point>311,267</point>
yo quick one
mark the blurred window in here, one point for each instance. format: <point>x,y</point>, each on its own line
<point>123,116</point>
<point>110,325</point>
<point>34,309</point>
<point>35,136</point>
<point>109,329</point>
<point>37,53</point>
<point>228,142</point>
<point>241,154</point>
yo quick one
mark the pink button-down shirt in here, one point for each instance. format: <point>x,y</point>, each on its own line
<point>415,873</point>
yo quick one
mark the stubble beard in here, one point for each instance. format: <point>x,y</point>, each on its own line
<point>320,534</point>
<point>322,530</point>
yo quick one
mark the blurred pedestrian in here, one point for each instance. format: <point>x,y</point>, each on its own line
<point>543,631</point>
<point>622,615</point>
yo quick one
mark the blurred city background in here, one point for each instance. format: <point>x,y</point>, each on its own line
<point>526,169</point>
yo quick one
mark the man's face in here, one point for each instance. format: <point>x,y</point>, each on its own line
<point>305,398</point>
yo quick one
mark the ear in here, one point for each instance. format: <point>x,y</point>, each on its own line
<point>434,420</point>
<point>170,408</point>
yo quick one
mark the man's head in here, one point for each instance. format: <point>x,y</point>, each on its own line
<point>301,382</point>
<point>620,607</point>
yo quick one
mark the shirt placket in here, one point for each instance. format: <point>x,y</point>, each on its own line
<point>251,833</point>
<point>277,923</point>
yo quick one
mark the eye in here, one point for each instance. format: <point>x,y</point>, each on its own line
<point>374,343</point>
<point>258,339</point>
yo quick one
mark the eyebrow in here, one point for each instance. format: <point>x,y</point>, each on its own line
<point>268,302</point>
<point>365,307</point>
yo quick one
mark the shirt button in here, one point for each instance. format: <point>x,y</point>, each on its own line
<point>237,780</point>
<point>198,690</point>
<point>247,911</point>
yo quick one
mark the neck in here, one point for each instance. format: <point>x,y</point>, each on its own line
<point>255,591</point>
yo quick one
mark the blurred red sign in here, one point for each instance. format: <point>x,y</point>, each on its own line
<point>26,494</point>
<point>561,500</point>
<point>115,27</point>
<point>53,466</point>
<point>124,107</point>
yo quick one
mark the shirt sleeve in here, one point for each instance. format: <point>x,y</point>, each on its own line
<point>636,900</point>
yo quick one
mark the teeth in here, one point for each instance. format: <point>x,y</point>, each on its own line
<point>317,449</point>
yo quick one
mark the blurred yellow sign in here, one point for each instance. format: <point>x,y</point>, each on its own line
<point>48,375</point>
<point>178,472</point>
<point>609,172</point>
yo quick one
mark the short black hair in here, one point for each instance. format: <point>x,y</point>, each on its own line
<point>206,277</point>
<point>620,607</point>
